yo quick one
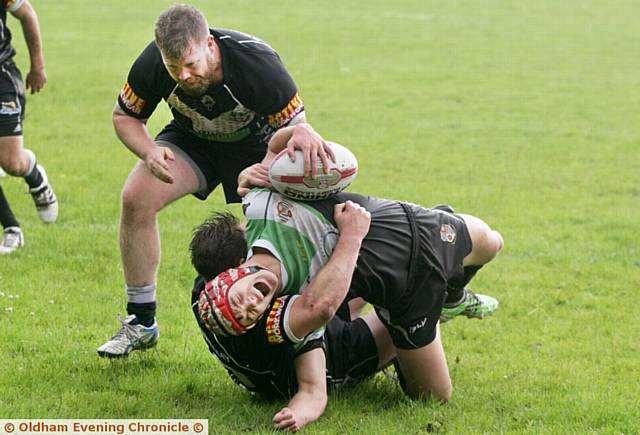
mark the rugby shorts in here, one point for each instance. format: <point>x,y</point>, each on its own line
<point>440,241</point>
<point>12,100</point>
<point>350,352</point>
<point>213,162</point>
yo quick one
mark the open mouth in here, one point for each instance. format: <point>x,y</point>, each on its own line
<point>262,287</point>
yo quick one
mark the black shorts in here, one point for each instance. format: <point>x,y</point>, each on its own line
<point>213,162</point>
<point>12,100</point>
<point>350,351</point>
<point>440,241</point>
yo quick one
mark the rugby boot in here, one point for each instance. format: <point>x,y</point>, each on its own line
<point>472,305</point>
<point>12,239</point>
<point>132,336</point>
<point>45,199</point>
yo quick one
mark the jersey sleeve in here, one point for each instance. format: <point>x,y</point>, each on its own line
<point>146,85</point>
<point>268,87</point>
<point>13,5</point>
<point>281,102</point>
<point>278,330</point>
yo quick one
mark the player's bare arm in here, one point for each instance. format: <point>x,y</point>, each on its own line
<point>37,76</point>
<point>321,299</point>
<point>308,404</point>
<point>134,134</point>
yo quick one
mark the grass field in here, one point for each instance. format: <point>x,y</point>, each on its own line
<point>523,114</point>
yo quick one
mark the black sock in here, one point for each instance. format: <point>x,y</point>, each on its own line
<point>455,288</point>
<point>145,313</point>
<point>34,178</point>
<point>7,219</point>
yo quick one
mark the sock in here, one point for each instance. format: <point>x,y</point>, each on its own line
<point>34,177</point>
<point>142,303</point>
<point>455,289</point>
<point>145,313</point>
<point>7,218</point>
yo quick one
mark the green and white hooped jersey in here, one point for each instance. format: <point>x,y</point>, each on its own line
<point>294,232</point>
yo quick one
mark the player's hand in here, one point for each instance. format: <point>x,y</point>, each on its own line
<point>254,176</point>
<point>285,420</point>
<point>305,139</point>
<point>156,161</point>
<point>35,80</point>
<point>352,219</point>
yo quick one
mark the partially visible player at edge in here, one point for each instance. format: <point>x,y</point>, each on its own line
<point>228,93</point>
<point>14,158</point>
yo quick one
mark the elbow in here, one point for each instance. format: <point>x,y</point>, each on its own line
<point>320,310</point>
<point>326,311</point>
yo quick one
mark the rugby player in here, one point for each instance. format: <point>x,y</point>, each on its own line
<point>14,158</point>
<point>228,93</point>
<point>304,258</point>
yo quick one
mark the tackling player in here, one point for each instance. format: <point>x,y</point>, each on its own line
<point>305,257</point>
<point>228,93</point>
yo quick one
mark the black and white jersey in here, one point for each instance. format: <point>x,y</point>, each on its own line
<point>256,360</point>
<point>263,359</point>
<point>256,97</point>
<point>6,49</point>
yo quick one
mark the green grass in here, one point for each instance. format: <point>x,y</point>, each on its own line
<point>524,114</point>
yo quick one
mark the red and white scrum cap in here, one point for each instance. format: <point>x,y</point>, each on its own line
<point>213,303</point>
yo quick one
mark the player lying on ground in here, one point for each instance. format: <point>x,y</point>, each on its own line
<point>303,258</point>
<point>353,350</point>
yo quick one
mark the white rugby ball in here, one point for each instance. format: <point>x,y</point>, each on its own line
<point>288,178</point>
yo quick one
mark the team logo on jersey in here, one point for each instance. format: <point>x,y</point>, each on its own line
<point>284,116</point>
<point>208,102</point>
<point>447,233</point>
<point>284,210</point>
<point>131,100</point>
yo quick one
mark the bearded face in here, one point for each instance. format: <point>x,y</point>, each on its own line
<point>196,70</point>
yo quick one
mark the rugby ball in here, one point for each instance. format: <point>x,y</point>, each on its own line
<point>287,177</point>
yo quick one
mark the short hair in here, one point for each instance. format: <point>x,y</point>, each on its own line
<point>179,26</point>
<point>217,245</point>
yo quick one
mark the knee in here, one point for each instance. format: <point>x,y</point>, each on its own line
<point>135,206</point>
<point>442,393</point>
<point>14,165</point>
<point>494,244</point>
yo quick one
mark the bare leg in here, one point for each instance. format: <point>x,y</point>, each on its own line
<point>142,197</point>
<point>486,242</point>
<point>425,370</point>
<point>386,350</point>
<point>13,158</point>
<point>356,305</point>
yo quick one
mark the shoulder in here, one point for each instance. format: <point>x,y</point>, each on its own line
<point>254,71</point>
<point>149,62</point>
<point>242,44</point>
<point>149,71</point>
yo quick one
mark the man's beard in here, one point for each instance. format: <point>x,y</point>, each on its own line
<point>197,90</point>
<point>200,88</point>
